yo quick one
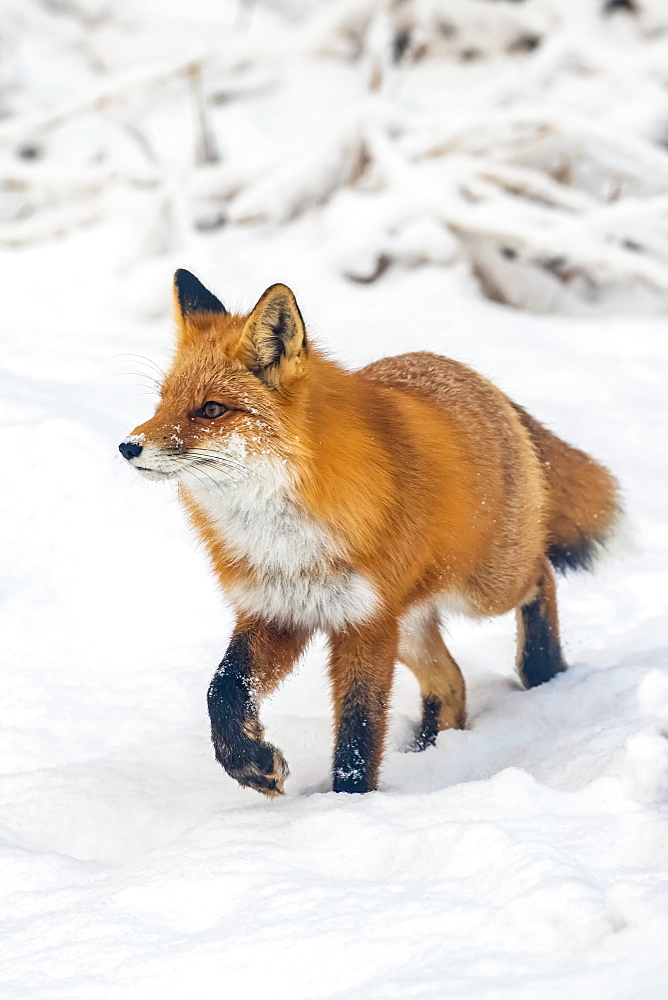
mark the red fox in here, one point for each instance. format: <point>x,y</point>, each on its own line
<point>362,504</point>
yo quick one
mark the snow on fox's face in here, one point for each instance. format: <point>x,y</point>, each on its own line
<point>211,425</point>
<point>218,421</point>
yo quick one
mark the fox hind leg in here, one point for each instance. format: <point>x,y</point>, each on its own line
<point>539,655</point>
<point>441,683</point>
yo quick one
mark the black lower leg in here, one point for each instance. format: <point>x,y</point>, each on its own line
<point>236,732</point>
<point>358,744</point>
<point>428,731</point>
<point>540,657</point>
<point>229,701</point>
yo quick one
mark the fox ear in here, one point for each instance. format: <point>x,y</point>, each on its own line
<point>192,299</point>
<point>273,343</point>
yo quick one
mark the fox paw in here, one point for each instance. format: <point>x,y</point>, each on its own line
<point>260,766</point>
<point>437,715</point>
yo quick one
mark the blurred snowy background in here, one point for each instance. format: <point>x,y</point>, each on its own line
<point>483,178</point>
<point>527,139</point>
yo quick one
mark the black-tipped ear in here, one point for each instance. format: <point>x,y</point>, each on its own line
<point>192,297</point>
<point>274,339</point>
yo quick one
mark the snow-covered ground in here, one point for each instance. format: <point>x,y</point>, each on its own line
<point>525,857</point>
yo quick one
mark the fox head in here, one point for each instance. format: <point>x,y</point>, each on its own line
<point>231,396</point>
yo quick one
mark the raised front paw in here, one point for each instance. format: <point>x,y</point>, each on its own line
<point>254,764</point>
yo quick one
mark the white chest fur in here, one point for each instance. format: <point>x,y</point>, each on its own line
<point>300,576</point>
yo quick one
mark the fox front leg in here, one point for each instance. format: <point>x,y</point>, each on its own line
<point>258,657</point>
<point>361,669</point>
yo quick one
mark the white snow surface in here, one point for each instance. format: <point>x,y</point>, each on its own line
<point>524,857</point>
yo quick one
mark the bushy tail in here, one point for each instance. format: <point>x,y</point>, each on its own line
<point>584,499</point>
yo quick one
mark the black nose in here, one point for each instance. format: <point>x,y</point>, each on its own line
<point>129,450</point>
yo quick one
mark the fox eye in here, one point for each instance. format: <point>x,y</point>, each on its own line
<point>211,410</point>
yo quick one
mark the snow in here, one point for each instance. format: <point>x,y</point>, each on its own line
<point>525,856</point>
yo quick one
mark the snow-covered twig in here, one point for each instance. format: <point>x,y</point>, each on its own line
<point>99,98</point>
